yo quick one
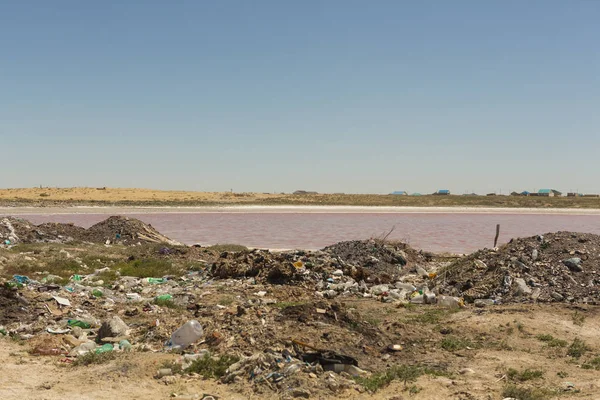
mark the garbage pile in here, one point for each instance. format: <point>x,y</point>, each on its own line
<point>555,267</point>
<point>371,261</point>
<point>376,259</point>
<point>115,229</point>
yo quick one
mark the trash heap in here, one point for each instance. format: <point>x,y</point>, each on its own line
<point>555,267</point>
<point>372,261</point>
<point>266,309</point>
<point>115,229</point>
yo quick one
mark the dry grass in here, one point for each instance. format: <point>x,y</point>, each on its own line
<point>120,196</point>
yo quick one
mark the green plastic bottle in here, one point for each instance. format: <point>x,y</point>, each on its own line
<point>81,324</point>
<point>156,280</point>
<point>107,348</point>
<point>164,297</point>
<point>97,293</point>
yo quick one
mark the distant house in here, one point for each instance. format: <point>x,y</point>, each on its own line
<point>572,194</point>
<point>549,192</point>
<point>442,192</point>
<point>400,193</point>
<point>491,194</point>
<point>416,194</point>
<point>523,193</point>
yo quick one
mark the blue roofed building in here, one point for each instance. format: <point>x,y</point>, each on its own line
<point>400,193</point>
<point>442,192</point>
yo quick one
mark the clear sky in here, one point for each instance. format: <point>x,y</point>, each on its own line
<point>270,96</point>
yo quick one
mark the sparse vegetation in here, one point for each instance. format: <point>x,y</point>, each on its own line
<point>521,393</point>
<point>226,300</point>
<point>453,343</point>
<point>93,358</point>
<point>403,373</point>
<point>147,268</point>
<point>430,316</point>
<point>578,318</point>
<point>373,321</point>
<point>551,341</point>
<point>169,303</point>
<point>524,375</point>
<point>577,348</point>
<point>209,367</point>
<point>227,247</point>
<point>592,364</point>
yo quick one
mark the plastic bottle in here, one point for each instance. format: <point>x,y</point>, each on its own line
<point>105,348</point>
<point>97,293</point>
<point>156,280</point>
<point>186,335</point>
<point>125,345</point>
<point>450,302</point>
<point>164,297</point>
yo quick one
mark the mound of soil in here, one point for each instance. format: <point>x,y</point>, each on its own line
<point>114,229</point>
<point>124,230</point>
<point>555,267</point>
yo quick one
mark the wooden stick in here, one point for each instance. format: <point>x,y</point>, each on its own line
<point>497,234</point>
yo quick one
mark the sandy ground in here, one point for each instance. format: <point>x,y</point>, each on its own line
<point>121,194</point>
<point>130,377</point>
<point>140,197</point>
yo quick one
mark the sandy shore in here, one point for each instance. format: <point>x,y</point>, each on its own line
<point>293,209</point>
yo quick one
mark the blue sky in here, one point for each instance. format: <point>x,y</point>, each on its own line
<point>334,96</point>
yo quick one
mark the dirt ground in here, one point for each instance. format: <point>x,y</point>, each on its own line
<point>46,197</point>
<point>508,337</point>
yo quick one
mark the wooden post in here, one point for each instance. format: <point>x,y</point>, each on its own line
<point>497,234</point>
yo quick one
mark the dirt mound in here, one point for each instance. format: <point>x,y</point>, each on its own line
<point>374,257</point>
<point>62,232</point>
<point>125,230</point>
<point>115,229</point>
<point>555,267</point>
<point>13,230</point>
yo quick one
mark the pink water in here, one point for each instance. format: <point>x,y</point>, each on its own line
<point>443,232</point>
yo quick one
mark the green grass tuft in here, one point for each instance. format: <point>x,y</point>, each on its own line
<point>577,348</point>
<point>592,364</point>
<point>524,375</point>
<point>209,367</point>
<point>93,358</point>
<point>453,343</point>
<point>404,373</point>
<point>551,341</point>
<point>521,393</point>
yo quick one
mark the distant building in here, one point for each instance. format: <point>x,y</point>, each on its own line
<point>491,194</point>
<point>523,193</point>
<point>442,192</point>
<point>400,193</point>
<point>572,194</point>
<point>549,192</point>
<point>591,195</point>
<point>416,194</point>
<point>302,192</point>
